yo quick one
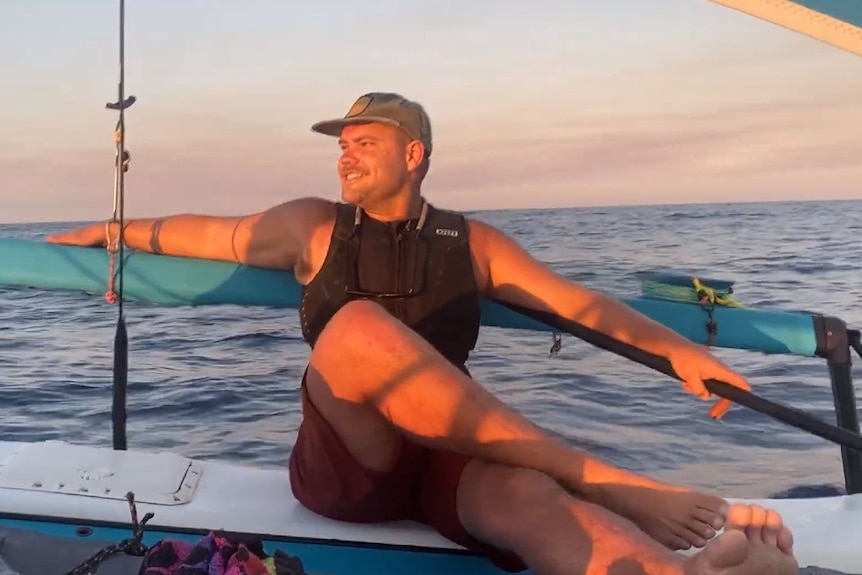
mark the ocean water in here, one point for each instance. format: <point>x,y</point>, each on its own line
<point>222,382</point>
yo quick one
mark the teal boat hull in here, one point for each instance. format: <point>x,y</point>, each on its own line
<point>175,281</point>
<point>316,556</point>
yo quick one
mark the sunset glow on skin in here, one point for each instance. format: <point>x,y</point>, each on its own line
<point>553,104</point>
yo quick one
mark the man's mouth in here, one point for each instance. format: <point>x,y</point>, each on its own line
<point>350,176</point>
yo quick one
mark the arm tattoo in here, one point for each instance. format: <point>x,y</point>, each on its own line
<point>233,239</point>
<point>155,243</point>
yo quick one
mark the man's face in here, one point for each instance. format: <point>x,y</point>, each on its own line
<point>374,163</point>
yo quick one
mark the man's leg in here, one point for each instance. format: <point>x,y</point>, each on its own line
<point>327,478</point>
<point>529,513</point>
<point>373,380</point>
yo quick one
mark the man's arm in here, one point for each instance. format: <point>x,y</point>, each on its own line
<point>514,276</point>
<point>271,239</point>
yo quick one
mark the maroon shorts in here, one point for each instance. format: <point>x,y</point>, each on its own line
<point>326,479</point>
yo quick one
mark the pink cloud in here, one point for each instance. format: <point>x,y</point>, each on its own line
<point>635,143</point>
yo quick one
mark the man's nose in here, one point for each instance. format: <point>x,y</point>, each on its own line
<point>347,158</point>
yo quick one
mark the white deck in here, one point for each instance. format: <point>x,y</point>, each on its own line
<point>234,498</point>
<point>60,480</point>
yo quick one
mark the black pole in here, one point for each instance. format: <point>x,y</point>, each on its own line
<point>833,344</point>
<point>121,371</point>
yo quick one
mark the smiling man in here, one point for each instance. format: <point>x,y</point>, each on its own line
<point>393,425</point>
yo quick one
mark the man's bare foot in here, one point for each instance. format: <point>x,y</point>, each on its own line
<point>755,542</point>
<point>676,517</point>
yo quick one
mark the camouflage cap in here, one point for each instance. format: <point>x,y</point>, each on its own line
<point>385,107</point>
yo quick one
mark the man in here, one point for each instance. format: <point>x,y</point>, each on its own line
<point>393,425</point>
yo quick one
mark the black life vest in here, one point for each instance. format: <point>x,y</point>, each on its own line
<point>419,270</point>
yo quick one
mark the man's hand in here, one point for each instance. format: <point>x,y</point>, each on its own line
<point>94,235</point>
<point>694,364</point>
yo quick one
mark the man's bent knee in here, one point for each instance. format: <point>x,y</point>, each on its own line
<point>363,325</point>
<point>356,316</point>
<point>528,495</point>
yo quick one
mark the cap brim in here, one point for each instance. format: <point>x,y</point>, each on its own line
<point>334,127</point>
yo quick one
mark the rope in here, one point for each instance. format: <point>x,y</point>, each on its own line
<point>130,546</point>
<point>114,244</point>
<point>693,293</point>
<point>713,296</point>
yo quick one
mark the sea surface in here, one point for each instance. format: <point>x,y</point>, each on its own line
<point>222,382</point>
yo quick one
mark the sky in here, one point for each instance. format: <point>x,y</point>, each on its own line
<point>548,103</point>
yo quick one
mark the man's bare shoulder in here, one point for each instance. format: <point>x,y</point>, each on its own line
<point>308,222</point>
<point>485,245</point>
<point>486,237</point>
<point>279,236</point>
<point>301,218</point>
<point>496,250</point>
<point>308,209</point>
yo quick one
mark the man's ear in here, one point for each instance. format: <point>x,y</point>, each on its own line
<point>415,155</point>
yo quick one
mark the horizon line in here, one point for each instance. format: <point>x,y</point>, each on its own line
<point>821,200</point>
